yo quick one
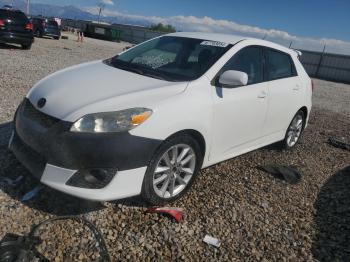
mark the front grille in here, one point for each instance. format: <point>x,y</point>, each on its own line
<point>30,112</point>
<point>33,161</point>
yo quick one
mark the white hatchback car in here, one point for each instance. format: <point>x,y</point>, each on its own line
<point>146,121</point>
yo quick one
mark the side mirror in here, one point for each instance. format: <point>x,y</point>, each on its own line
<point>232,78</point>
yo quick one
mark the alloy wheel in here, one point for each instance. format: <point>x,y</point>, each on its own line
<point>174,171</point>
<point>294,130</point>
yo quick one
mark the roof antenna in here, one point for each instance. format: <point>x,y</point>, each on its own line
<point>264,36</point>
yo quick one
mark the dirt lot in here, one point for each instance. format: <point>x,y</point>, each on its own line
<point>256,216</point>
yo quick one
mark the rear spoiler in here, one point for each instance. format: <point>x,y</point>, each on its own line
<point>299,53</point>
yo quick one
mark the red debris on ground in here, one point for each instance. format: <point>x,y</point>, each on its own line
<point>175,212</point>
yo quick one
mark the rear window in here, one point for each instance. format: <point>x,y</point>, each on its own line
<point>280,65</point>
<point>54,23</point>
<point>13,15</point>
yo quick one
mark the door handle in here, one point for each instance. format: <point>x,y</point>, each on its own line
<point>296,87</point>
<point>262,94</point>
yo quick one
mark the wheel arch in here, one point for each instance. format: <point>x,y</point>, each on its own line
<point>195,135</point>
<point>305,111</point>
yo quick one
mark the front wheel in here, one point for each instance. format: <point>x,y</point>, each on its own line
<point>294,130</point>
<point>172,170</point>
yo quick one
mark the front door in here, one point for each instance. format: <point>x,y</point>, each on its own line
<point>239,113</point>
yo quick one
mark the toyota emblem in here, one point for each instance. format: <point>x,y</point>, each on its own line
<point>41,102</point>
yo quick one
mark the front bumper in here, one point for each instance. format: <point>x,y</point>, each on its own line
<point>125,184</point>
<point>53,154</point>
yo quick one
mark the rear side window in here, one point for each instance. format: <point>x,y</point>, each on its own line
<point>250,61</point>
<point>13,15</point>
<point>279,65</point>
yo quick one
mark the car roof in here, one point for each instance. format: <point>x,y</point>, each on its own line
<point>233,39</point>
<point>230,39</point>
<point>11,10</point>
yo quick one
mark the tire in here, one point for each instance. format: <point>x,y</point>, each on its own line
<point>38,33</point>
<point>177,174</point>
<point>26,46</point>
<point>56,38</point>
<point>294,131</point>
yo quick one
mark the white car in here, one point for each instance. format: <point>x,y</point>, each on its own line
<point>147,120</point>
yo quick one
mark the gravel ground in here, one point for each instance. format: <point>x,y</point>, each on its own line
<point>332,96</point>
<point>255,216</point>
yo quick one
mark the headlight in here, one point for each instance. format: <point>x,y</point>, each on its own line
<point>112,121</point>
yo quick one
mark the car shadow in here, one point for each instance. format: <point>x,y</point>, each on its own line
<point>45,37</point>
<point>48,200</point>
<point>9,46</point>
<point>274,147</point>
<point>136,201</point>
<point>332,239</point>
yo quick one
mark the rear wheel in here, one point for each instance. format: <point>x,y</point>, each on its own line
<point>294,130</point>
<point>172,170</point>
<point>26,46</point>
<point>56,38</point>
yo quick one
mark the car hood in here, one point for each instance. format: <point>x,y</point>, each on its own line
<point>97,87</point>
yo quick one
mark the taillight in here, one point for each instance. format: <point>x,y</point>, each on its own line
<point>312,85</point>
<point>2,23</point>
<point>29,26</point>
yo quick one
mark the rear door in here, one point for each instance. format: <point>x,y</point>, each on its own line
<point>15,21</point>
<point>284,89</point>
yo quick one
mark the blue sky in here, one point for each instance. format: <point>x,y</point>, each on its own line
<point>307,18</point>
<point>306,24</point>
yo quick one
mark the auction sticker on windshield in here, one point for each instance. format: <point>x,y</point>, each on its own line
<point>214,43</point>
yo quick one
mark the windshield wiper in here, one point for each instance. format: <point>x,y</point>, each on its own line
<point>128,68</point>
<point>157,75</point>
<point>144,71</point>
<point>141,70</point>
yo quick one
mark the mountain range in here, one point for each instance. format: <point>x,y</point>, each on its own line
<point>69,11</point>
<point>185,23</point>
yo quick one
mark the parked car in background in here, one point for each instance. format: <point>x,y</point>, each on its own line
<point>46,27</point>
<point>15,28</point>
<point>146,121</point>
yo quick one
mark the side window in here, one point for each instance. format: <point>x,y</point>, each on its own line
<point>250,61</point>
<point>279,65</point>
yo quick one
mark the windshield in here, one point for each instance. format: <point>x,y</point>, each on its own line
<point>171,58</point>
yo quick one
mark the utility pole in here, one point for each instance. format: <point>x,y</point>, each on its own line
<point>28,3</point>
<point>321,60</point>
<point>101,7</point>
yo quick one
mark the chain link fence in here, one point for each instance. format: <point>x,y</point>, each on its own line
<point>327,66</point>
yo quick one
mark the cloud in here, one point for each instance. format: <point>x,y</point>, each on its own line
<point>208,24</point>
<point>107,2</point>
